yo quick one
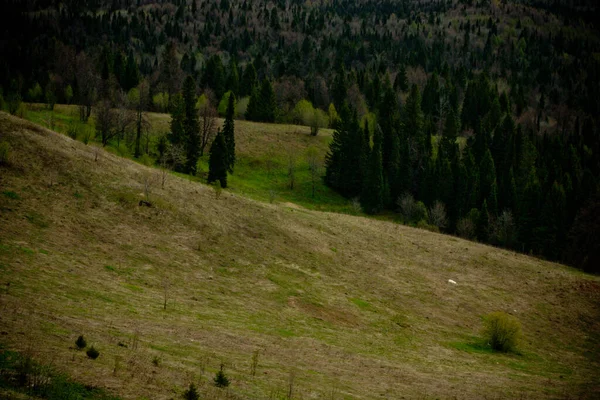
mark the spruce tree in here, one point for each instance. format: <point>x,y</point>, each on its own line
<point>401,81</point>
<point>191,126</point>
<point>233,79</point>
<point>253,110</point>
<point>248,82</point>
<point>343,160</point>
<point>218,161</point>
<point>488,189</point>
<point>412,126</point>
<point>340,88</point>
<point>177,134</point>
<point>371,198</point>
<point>268,105</point>
<point>483,225</point>
<point>229,132</point>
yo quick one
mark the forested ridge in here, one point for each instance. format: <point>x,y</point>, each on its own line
<point>477,117</point>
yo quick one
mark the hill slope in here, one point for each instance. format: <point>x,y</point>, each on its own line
<point>345,307</point>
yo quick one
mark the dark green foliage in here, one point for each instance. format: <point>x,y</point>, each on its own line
<point>340,88</point>
<point>401,81</point>
<point>584,238</point>
<point>229,132</point>
<point>214,76</point>
<point>221,379</point>
<point>262,106</point>
<point>80,342</point>
<point>191,393</point>
<point>483,223</point>
<point>345,154</point>
<point>233,78</point>
<point>371,199</point>
<point>191,126</point>
<point>412,126</point>
<point>219,161</point>
<point>177,134</point>
<point>249,81</point>
<point>488,190</point>
<point>92,353</point>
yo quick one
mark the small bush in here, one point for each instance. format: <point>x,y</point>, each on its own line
<point>221,379</point>
<point>92,353</point>
<point>502,331</point>
<point>156,361</point>
<point>191,393</point>
<point>21,111</point>
<point>73,131</point>
<point>422,224</point>
<point>5,153</point>
<point>80,342</point>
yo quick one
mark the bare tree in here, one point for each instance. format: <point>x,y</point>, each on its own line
<point>123,116</point>
<point>105,121</point>
<point>208,122</point>
<point>465,228</point>
<point>139,98</point>
<point>173,158</point>
<point>87,84</point>
<point>437,215</point>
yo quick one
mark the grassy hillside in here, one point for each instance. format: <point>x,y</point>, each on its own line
<point>263,155</point>
<point>340,306</point>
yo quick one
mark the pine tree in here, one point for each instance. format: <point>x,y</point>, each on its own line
<point>191,126</point>
<point>339,91</point>
<point>483,225</point>
<point>233,79</point>
<point>214,76</point>
<point>343,160</point>
<point>253,110</point>
<point>177,134</point>
<point>248,82</point>
<point>448,147</point>
<point>132,74</point>
<point>488,181</point>
<point>401,81</point>
<point>412,126</point>
<point>268,105</point>
<point>371,198</point>
<point>218,161</point>
<point>229,132</point>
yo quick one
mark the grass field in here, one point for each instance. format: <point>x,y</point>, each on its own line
<point>337,306</point>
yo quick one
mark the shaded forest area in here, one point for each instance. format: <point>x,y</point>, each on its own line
<point>477,117</point>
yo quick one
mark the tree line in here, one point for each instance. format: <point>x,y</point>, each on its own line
<point>505,184</point>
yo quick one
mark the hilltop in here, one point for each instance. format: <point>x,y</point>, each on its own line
<point>343,306</point>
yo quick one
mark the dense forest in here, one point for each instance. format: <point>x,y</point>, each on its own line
<point>477,118</point>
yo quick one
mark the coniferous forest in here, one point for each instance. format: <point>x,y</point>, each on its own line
<point>473,117</point>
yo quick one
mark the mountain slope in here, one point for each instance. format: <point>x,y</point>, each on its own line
<point>345,307</point>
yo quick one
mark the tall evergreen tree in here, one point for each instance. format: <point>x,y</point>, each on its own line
<point>191,126</point>
<point>345,156</point>
<point>229,132</point>
<point>249,80</point>
<point>483,224</point>
<point>233,78</point>
<point>412,126</point>
<point>371,198</point>
<point>339,90</point>
<point>218,161</point>
<point>268,105</point>
<point>177,134</point>
<point>488,182</point>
